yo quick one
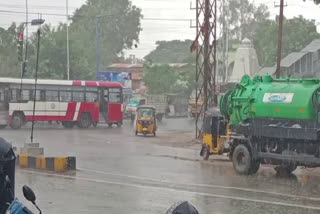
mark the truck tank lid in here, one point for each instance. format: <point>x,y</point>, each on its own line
<point>266,78</point>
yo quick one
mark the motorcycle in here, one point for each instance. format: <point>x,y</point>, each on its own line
<point>16,207</point>
<point>8,202</point>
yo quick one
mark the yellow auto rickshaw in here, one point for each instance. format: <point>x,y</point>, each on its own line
<point>146,120</point>
<point>215,135</point>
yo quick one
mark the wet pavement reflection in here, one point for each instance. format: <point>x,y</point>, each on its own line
<point>121,173</point>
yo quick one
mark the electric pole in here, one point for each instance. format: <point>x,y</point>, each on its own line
<point>279,39</point>
<point>205,47</point>
<point>68,58</point>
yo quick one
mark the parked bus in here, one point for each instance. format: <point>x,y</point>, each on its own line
<point>82,103</point>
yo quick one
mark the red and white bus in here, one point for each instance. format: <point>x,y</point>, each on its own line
<point>74,102</point>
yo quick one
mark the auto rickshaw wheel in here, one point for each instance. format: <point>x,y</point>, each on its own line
<point>136,133</point>
<point>206,152</point>
<point>154,134</point>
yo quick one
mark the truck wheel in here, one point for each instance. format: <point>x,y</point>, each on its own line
<point>85,120</point>
<point>286,169</point>
<point>241,159</point>
<point>255,167</point>
<point>119,124</point>
<point>205,153</point>
<point>16,121</point>
<point>68,124</point>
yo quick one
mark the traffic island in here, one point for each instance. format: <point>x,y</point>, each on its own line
<point>54,164</point>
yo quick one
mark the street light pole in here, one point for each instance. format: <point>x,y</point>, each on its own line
<point>97,26</point>
<point>68,54</point>
<point>97,22</point>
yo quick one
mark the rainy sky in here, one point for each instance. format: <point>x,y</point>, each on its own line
<point>154,27</point>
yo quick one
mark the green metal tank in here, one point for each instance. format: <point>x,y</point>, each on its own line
<point>265,97</point>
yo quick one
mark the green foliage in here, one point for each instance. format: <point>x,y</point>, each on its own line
<point>9,64</point>
<point>297,33</point>
<point>117,32</point>
<point>174,51</point>
<point>244,17</point>
<point>161,79</point>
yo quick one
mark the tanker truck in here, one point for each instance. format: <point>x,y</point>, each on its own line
<point>273,121</point>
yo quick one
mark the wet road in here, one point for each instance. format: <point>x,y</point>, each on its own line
<point>121,173</point>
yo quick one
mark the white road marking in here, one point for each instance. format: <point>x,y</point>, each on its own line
<point>174,190</point>
<point>200,185</point>
<point>76,113</point>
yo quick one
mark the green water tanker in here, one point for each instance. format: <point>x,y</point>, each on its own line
<point>274,121</point>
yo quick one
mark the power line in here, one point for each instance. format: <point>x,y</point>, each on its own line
<point>64,15</point>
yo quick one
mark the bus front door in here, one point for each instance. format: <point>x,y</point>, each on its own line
<point>4,107</point>
<point>104,99</point>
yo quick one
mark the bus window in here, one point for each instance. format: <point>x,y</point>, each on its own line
<point>52,96</point>
<point>14,95</point>
<point>65,96</point>
<point>24,95</point>
<point>114,95</point>
<point>91,96</point>
<point>40,95</point>
<point>78,96</point>
<point>2,96</point>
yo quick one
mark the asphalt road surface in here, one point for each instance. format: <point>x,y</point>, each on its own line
<point>119,172</point>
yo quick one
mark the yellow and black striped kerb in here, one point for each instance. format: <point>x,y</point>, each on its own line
<point>57,164</point>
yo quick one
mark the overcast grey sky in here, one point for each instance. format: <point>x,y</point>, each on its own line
<point>153,30</point>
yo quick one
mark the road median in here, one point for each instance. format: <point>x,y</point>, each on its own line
<point>54,164</point>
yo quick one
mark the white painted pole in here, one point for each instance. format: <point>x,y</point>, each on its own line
<point>68,62</point>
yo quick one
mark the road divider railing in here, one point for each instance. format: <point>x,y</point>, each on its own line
<point>55,164</point>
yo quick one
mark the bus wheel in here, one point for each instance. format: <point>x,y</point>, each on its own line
<point>3,126</point>
<point>119,124</point>
<point>16,121</point>
<point>68,124</point>
<point>110,125</point>
<point>94,124</point>
<point>242,161</point>
<point>85,120</point>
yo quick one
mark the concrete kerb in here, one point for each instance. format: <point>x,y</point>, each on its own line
<point>54,164</point>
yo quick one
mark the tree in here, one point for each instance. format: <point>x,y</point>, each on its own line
<point>9,64</point>
<point>243,18</point>
<point>53,56</point>
<point>174,51</point>
<point>117,32</point>
<point>297,33</point>
<point>161,79</point>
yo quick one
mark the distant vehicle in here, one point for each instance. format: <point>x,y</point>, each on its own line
<point>131,107</point>
<point>194,108</point>
<point>82,103</point>
<point>159,101</point>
